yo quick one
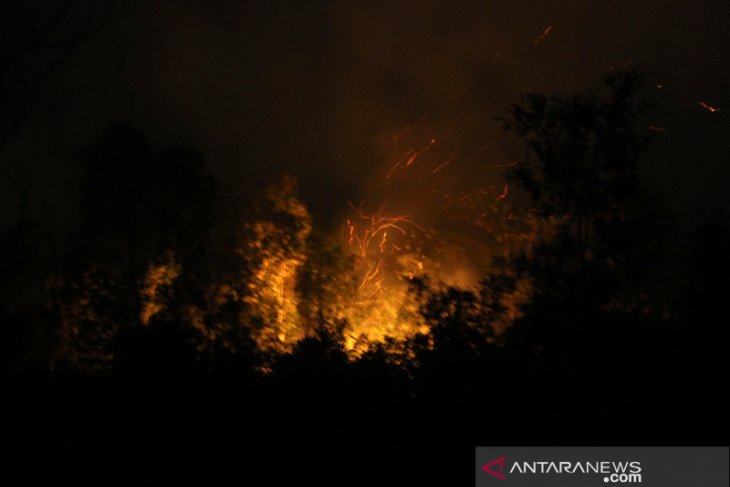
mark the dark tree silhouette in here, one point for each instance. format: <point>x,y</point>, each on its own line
<point>37,39</point>
<point>591,318</point>
<point>580,169</point>
<point>582,154</point>
<point>142,239</point>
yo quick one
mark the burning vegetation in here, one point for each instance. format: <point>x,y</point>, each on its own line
<point>366,276</point>
<point>280,279</point>
<point>474,249</point>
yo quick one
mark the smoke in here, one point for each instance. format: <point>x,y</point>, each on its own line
<point>318,89</point>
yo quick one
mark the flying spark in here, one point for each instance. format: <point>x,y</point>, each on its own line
<point>405,130</point>
<point>415,155</point>
<point>505,193</point>
<point>708,107</point>
<point>545,33</point>
<point>443,165</point>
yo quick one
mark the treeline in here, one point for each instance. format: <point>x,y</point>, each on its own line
<point>158,326</point>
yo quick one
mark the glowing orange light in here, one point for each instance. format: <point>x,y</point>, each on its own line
<point>505,193</point>
<point>419,152</point>
<point>158,276</point>
<point>707,107</point>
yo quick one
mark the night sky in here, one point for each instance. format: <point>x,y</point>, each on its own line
<point>318,89</point>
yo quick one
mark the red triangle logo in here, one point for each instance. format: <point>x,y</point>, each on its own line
<point>488,468</point>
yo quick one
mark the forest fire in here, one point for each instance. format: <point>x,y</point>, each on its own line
<point>372,294</point>
<point>369,287</point>
<point>366,282</point>
<point>435,221</point>
<point>436,217</point>
<point>387,255</point>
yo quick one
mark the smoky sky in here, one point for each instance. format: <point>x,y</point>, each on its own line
<point>318,89</point>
